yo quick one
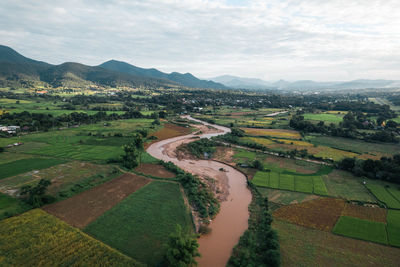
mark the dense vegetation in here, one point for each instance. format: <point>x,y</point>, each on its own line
<point>387,169</point>
<point>258,246</point>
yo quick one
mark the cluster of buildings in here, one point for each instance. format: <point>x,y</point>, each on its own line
<point>9,129</point>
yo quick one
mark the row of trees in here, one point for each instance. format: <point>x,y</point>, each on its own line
<point>387,169</point>
<point>346,129</point>
<point>259,245</point>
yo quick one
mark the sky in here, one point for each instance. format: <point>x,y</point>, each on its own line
<point>321,40</point>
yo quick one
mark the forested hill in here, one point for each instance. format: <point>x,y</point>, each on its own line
<point>186,79</point>
<point>17,70</point>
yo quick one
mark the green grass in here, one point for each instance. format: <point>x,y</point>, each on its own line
<point>319,186</point>
<point>26,165</point>
<point>383,195</point>
<point>303,184</point>
<point>361,229</point>
<point>140,225</point>
<point>299,183</point>
<point>10,206</point>
<point>393,227</point>
<point>394,191</point>
<point>344,185</point>
<point>334,118</point>
<point>242,153</point>
<point>353,145</point>
<point>261,179</point>
<point>286,182</point>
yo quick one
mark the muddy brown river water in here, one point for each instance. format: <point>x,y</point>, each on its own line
<point>231,222</point>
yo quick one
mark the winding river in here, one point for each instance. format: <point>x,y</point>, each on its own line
<point>231,221</point>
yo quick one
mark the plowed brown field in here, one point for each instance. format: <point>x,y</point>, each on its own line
<point>321,213</point>
<point>154,170</point>
<point>366,213</point>
<point>82,209</point>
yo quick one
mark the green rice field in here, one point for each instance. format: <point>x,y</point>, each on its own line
<point>361,229</point>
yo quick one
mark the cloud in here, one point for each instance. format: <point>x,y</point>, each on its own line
<point>292,39</point>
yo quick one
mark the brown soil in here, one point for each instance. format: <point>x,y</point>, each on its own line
<point>154,170</point>
<point>224,154</point>
<point>168,131</point>
<point>82,209</point>
<point>321,214</point>
<point>301,246</point>
<point>366,213</point>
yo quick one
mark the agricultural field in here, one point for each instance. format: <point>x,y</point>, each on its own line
<point>303,246</point>
<point>80,210</point>
<point>283,197</point>
<point>374,214</point>
<point>321,213</point>
<point>97,142</point>
<point>325,117</point>
<point>393,227</point>
<point>361,229</point>
<point>10,206</point>
<point>67,179</point>
<point>154,170</point>
<point>278,133</point>
<point>36,238</point>
<point>364,149</point>
<point>299,183</point>
<point>25,165</point>
<point>345,185</point>
<point>383,195</point>
<point>145,219</point>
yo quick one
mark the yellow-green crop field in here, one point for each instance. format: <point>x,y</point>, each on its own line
<point>36,238</point>
<point>279,133</point>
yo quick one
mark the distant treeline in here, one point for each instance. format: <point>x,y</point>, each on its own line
<point>386,169</point>
<point>348,128</point>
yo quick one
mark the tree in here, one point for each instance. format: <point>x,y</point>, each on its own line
<point>36,195</point>
<point>129,160</point>
<point>258,165</point>
<point>182,249</point>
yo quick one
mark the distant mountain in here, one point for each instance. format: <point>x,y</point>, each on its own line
<point>186,79</point>
<point>304,85</point>
<point>240,82</point>
<point>15,68</point>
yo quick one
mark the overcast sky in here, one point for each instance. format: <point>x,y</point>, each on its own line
<point>294,40</point>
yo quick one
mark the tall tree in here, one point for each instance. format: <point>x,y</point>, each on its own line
<point>182,249</point>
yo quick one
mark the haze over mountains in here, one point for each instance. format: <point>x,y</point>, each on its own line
<point>14,66</point>
<point>254,83</point>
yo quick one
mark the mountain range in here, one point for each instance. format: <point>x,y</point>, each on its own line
<point>253,83</point>
<point>16,67</point>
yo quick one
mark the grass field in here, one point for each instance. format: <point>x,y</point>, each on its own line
<point>26,165</point>
<point>245,154</point>
<point>285,197</point>
<point>10,206</point>
<point>383,195</point>
<point>344,185</point>
<point>326,117</point>
<point>299,183</point>
<point>67,179</point>
<point>393,227</point>
<point>361,229</point>
<point>357,146</point>
<point>279,133</point>
<point>140,225</point>
<point>36,238</point>
<point>302,246</point>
